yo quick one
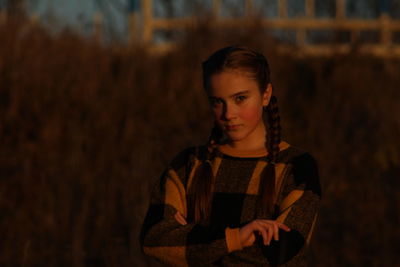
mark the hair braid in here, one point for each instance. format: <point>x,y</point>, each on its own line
<point>200,193</point>
<point>267,192</point>
<point>256,66</point>
<point>274,129</point>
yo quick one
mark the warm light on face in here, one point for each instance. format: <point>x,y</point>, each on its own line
<point>237,105</point>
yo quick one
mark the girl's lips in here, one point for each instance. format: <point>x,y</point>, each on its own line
<point>232,127</point>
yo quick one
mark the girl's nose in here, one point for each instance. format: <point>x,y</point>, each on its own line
<point>229,112</point>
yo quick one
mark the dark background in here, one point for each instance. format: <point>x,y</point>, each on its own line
<point>87,128</point>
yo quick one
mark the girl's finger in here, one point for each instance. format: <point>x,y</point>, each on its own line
<point>274,228</point>
<point>270,234</point>
<point>183,220</point>
<point>283,227</point>
<point>276,232</point>
<point>260,229</point>
<point>280,225</point>
<point>180,218</point>
<point>268,228</point>
<point>176,216</point>
<point>269,225</point>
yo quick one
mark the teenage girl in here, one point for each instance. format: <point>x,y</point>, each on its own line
<point>245,198</point>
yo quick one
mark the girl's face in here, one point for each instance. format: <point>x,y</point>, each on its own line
<point>237,106</point>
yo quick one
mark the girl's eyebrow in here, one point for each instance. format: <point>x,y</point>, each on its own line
<point>240,93</point>
<point>231,96</point>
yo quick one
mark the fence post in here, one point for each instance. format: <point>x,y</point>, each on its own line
<point>97,26</point>
<point>310,6</point>
<point>3,16</point>
<point>282,9</point>
<point>301,34</point>
<point>340,9</point>
<point>216,6</point>
<point>385,30</point>
<point>133,33</point>
<point>147,9</point>
<point>249,8</point>
<point>133,9</point>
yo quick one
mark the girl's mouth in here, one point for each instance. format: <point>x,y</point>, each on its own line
<point>232,127</point>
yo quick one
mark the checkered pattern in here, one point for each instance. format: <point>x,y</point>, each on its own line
<point>216,242</point>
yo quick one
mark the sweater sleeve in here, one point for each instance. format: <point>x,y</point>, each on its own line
<point>170,242</point>
<point>298,210</point>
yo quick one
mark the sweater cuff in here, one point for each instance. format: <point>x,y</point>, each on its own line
<point>232,239</point>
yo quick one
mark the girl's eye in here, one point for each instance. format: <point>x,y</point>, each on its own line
<point>215,102</point>
<point>240,98</point>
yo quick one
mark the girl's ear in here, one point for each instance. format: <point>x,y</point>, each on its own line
<point>267,94</point>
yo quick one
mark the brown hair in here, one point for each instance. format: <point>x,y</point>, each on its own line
<point>254,64</point>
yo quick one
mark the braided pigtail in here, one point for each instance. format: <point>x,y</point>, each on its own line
<point>200,192</point>
<point>254,65</point>
<point>267,192</point>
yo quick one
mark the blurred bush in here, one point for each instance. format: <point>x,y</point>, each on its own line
<point>86,129</point>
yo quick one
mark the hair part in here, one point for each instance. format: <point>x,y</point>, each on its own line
<point>237,58</point>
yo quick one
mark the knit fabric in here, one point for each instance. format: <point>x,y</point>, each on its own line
<point>237,176</point>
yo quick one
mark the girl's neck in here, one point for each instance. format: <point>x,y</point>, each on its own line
<point>245,146</point>
<point>261,152</point>
<point>255,141</point>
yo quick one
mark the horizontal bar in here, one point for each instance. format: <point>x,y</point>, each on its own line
<point>311,50</point>
<point>295,23</point>
<point>328,50</point>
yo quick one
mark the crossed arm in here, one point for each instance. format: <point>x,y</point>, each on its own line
<point>267,229</point>
<point>167,236</point>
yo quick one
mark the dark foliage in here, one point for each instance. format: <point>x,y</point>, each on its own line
<point>86,129</point>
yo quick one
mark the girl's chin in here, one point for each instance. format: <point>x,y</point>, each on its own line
<point>228,138</point>
<point>234,137</point>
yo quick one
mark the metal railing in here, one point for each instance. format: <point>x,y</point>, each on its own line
<point>143,24</point>
<point>384,25</point>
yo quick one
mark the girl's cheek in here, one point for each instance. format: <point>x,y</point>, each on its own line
<point>251,114</point>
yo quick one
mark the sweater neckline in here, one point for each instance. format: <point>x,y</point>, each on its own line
<point>262,152</point>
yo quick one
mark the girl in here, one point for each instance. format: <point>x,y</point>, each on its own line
<point>246,198</point>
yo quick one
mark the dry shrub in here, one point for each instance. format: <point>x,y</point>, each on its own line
<point>86,129</point>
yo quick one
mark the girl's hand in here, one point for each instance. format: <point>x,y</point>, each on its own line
<point>179,217</point>
<point>266,228</point>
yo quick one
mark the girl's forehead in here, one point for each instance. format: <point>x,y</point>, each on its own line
<point>228,83</point>
<point>243,73</point>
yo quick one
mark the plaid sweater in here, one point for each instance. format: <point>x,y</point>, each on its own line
<point>216,243</point>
